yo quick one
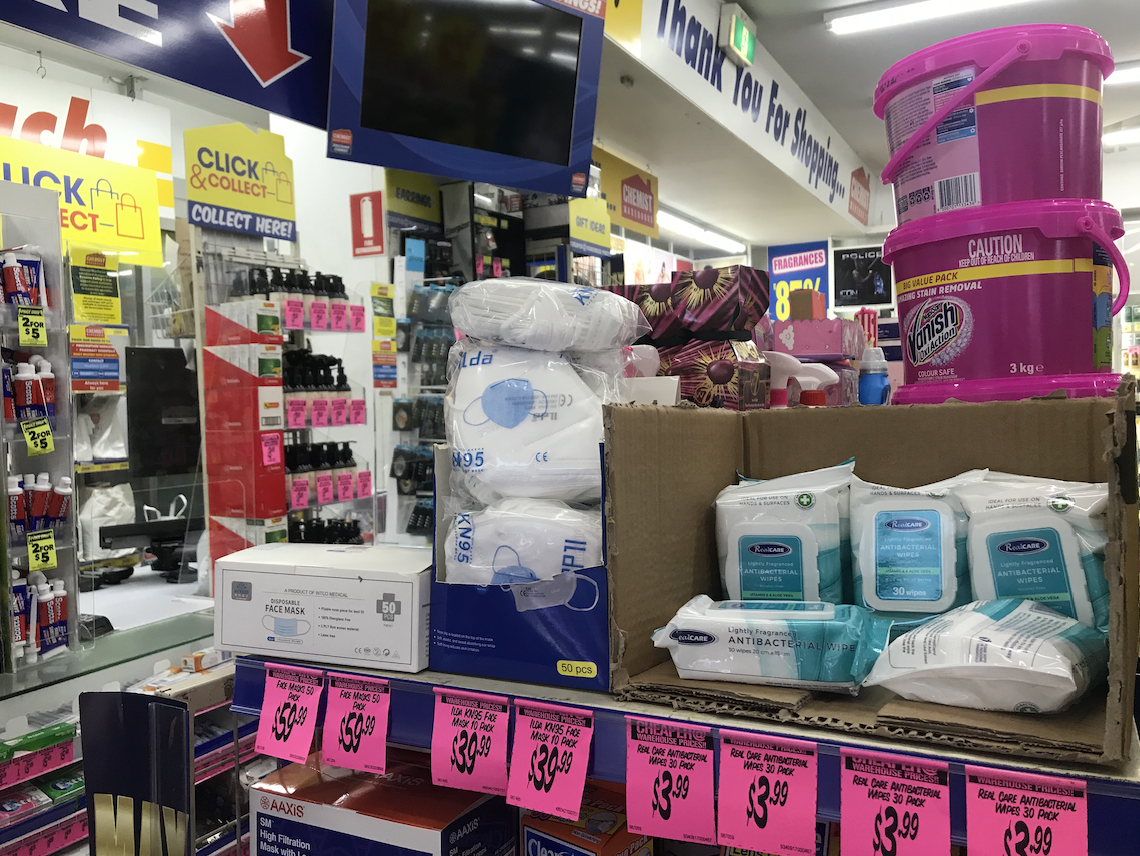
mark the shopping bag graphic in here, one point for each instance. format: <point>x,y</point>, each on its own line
<point>129,218</point>
<point>268,170</point>
<point>103,189</point>
<point>284,189</point>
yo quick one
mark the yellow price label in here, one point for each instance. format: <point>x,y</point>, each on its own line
<point>37,434</point>
<point>41,550</point>
<point>33,328</point>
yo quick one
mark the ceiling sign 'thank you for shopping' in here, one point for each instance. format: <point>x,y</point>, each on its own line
<point>239,180</point>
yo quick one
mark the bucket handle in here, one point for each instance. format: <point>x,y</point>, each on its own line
<point>1018,51</point>
<point>1088,226</point>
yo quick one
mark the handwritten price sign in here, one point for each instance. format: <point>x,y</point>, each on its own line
<point>1020,814</point>
<point>338,315</point>
<point>356,724</point>
<point>319,315</point>
<point>767,791</point>
<point>356,318</point>
<point>894,805</point>
<point>289,711</point>
<point>38,436</point>
<point>294,314</point>
<point>549,758</point>
<point>33,329</point>
<point>669,780</point>
<point>469,741</point>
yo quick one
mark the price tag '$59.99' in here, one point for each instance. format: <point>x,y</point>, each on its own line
<point>289,711</point>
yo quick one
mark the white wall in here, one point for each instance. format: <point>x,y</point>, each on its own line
<point>1122,178</point>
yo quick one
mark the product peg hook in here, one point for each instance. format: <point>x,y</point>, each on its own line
<point>41,71</point>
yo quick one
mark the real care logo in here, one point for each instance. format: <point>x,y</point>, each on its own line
<point>281,807</point>
<point>799,261</point>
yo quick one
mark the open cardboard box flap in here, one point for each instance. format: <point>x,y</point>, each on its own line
<point>664,467</point>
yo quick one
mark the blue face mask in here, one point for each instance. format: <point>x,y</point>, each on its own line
<point>508,403</point>
<point>506,575</point>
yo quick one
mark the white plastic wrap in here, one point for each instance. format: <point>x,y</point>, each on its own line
<point>521,423</point>
<point>546,316</point>
<point>521,541</point>
<point>1009,655</point>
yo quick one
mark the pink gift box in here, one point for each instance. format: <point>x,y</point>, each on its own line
<point>821,341</point>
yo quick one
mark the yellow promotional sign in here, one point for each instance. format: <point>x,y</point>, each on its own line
<point>239,180</point>
<point>413,200</point>
<point>95,286</point>
<point>623,21</point>
<point>630,193</point>
<point>590,227</point>
<point>101,203</point>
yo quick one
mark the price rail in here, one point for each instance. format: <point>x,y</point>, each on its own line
<point>1113,796</point>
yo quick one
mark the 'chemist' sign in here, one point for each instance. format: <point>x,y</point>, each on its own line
<point>238,180</point>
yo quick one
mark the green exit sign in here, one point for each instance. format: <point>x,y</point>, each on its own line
<point>743,40</point>
<point>737,35</point>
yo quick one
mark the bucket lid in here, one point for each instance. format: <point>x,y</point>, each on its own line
<point>1054,218</point>
<point>983,49</point>
<point>1008,389</point>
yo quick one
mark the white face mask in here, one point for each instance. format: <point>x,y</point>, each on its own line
<point>546,594</point>
<point>521,423</point>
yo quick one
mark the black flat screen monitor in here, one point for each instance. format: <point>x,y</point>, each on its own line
<point>162,412</point>
<point>493,75</point>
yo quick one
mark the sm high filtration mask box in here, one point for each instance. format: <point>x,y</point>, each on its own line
<point>346,606</point>
<point>600,829</point>
<point>310,811</point>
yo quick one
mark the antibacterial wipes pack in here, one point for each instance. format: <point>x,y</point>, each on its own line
<point>1011,655</point>
<point>808,645</point>
<point>1040,540</point>
<point>909,546</point>
<point>783,539</point>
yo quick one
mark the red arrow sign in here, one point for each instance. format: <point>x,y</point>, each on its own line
<point>259,33</point>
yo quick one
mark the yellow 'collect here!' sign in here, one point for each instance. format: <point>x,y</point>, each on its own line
<point>239,180</point>
<point>101,203</point>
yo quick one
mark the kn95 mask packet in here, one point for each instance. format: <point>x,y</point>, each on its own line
<point>817,646</point>
<point>1007,655</point>
<point>521,423</point>
<point>1040,540</point>
<point>783,538</point>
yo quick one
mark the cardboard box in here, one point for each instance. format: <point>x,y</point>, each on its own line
<point>240,483</point>
<point>200,690</point>
<point>346,606</point>
<point>243,388</point>
<point>806,304</point>
<point>243,322</point>
<point>599,831</point>
<point>310,809</point>
<point>663,469</point>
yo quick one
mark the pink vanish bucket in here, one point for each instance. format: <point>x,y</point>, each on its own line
<point>1008,291</point>
<point>1004,115</point>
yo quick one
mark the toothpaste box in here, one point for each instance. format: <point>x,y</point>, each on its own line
<point>313,810</point>
<point>600,829</point>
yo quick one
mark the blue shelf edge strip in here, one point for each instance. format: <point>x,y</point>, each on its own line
<point>42,820</point>
<point>1113,811</point>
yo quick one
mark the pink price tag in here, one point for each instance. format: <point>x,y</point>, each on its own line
<point>344,487</point>
<point>894,804</point>
<point>339,411</point>
<point>767,794</point>
<point>295,413</point>
<point>356,724</point>
<point>338,317</point>
<point>270,449</point>
<point>549,757</point>
<point>469,741</point>
<point>289,711</point>
<point>496,266</point>
<point>320,412</point>
<point>669,781</point>
<point>356,318</point>
<point>324,489</point>
<point>319,315</point>
<point>1052,814</point>
<point>478,265</point>
<point>357,411</point>
<point>364,485</point>
<point>294,315</point>
<point>299,494</point>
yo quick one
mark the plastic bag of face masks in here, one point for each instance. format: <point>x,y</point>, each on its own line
<point>783,538</point>
<point>810,645</point>
<point>546,316</point>
<point>1011,655</point>
<point>521,541</point>
<point>521,423</point>
<point>1040,540</point>
<point>909,546</point>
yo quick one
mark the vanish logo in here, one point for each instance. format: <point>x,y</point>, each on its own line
<point>938,331</point>
<point>908,524</point>
<point>770,549</point>
<point>1023,546</point>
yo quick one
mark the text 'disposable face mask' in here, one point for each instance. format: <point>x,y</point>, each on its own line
<point>784,539</point>
<point>809,645</point>
<point>1009,655</point>
<point>521,423</point>
<point>909,546</point>
<point>546,316</point>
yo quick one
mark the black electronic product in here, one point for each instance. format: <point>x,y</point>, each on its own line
<point>162,412</point>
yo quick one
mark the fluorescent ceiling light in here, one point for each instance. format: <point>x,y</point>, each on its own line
<point>1128,72</point>
<point>665,220</point>
<point>876,16</point>
<point>1125,137</point>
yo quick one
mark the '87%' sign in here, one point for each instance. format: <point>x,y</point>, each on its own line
<point>549,756</point>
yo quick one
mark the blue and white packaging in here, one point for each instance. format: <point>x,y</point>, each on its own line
<point>817,646</point>
<point>909,546</point>
<point>1009,655</point>
<point>784,538</point>
<point>1040,540</point>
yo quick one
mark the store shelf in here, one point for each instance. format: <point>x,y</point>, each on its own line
<point>102,467</point>
<point>342,504</point>
<point>1113,793</point>
<point>61,826</point>
<point>25,767</point>
<point>222,842</point>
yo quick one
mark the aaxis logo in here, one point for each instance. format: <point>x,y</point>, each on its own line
<point>282,807</point>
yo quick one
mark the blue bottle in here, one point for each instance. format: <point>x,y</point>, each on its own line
<point>874,386</point>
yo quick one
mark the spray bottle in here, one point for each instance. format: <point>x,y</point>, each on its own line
<point>811,377</point>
